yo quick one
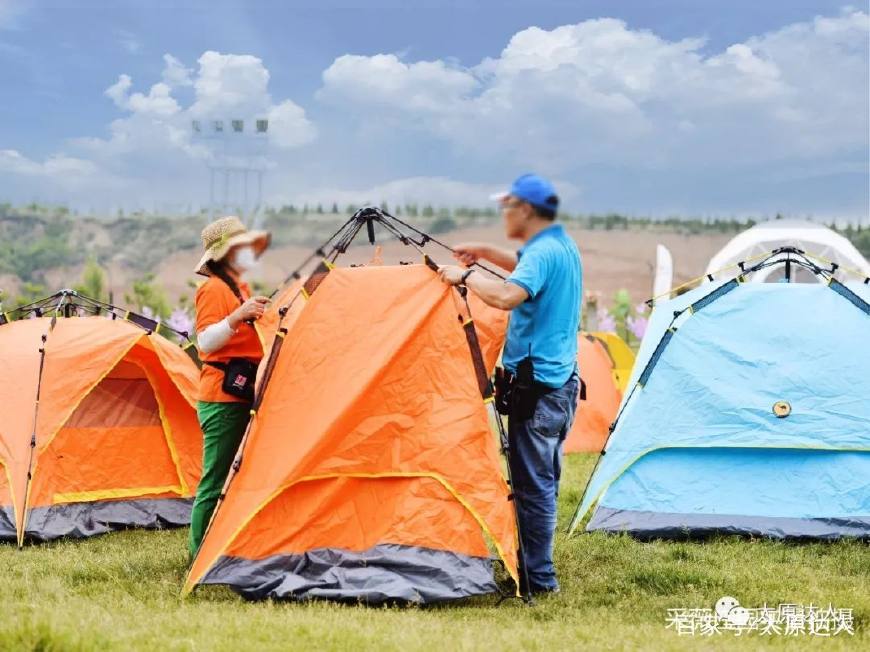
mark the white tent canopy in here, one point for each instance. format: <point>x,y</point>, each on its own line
<point>815,239</point>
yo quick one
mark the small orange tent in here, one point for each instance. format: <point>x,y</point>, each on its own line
<point>98,433</point>
<point>369,470</point>
<point>621,355</point>
<point>597,412</point>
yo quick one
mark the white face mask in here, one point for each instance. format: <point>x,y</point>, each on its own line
<point>244,259</point>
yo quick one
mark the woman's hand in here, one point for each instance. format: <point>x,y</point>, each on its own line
<point>252,309</point>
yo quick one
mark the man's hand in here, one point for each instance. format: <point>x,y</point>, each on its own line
<point>451,274</point>
<point>495,293</point>
<point>469,253</point>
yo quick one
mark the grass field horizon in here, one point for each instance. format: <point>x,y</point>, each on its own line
<point>122,591</point>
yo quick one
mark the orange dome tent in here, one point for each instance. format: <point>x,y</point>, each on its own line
<point>98,429</point>
<point>369,470</point>
<point>597,412</point>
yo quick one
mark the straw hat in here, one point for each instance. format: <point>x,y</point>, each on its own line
<point>222,235</point>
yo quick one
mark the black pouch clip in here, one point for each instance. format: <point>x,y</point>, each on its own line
<point>516,395</point>
<point>525,391</point>
<point>503,387</point>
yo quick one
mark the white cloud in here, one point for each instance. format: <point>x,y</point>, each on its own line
<point>641,123</point>
<point>14,162</point>
<point>68,175</point>
<point>437,191</point>
<point>118,91</point>
<point>230,86</point>
<point>176,73</point>
<point>157,137</point>
<point>152,152</point>
<point>599,92</point>
<point>288,125</point>
<point>383,79</point>
<point>128,41</point>
<point>158,102</point>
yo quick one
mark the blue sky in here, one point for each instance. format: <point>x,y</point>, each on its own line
<point>690,107</point>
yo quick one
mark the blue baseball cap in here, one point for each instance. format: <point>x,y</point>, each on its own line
<point>533,189</point>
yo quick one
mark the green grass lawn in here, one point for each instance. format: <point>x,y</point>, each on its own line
<point>121,592</point>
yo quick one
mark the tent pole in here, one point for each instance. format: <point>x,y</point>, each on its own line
<point>488,395</point>
<point>506,451</point>
<point>20,530</point>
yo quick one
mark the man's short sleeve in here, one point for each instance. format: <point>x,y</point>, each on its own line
<point>531,271</point>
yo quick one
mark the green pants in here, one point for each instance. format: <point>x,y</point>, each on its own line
<point>223,426</point>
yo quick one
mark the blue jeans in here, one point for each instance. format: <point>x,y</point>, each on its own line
<point>536,465</point>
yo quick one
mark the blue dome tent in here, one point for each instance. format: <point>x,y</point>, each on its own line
<point>748,412</point>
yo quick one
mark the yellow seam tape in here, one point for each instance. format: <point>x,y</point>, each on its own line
<point>166,429</point>
<point>8,473</point>
<point>110,494</point>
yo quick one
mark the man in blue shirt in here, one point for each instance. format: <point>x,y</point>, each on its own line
<point>543,293</point>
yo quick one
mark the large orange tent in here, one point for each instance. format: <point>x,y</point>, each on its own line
<point>603,396</point>
<point>369,470</point>
<point>98,429</point>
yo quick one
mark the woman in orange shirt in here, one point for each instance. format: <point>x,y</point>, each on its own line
<point>230,349</point>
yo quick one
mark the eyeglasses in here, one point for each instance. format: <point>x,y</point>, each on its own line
<point>507,205</point>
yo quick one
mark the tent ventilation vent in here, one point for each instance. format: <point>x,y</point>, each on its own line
<point>781,409</point>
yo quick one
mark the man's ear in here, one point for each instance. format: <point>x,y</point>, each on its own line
<point>529,212</point>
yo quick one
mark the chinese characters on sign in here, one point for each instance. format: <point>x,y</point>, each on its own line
<point>787,619</point>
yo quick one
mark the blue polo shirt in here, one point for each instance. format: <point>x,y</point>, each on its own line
<point>546,324</point>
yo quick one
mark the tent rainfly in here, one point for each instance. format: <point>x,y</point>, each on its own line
<point>98,429</point>
<point>747,413</point>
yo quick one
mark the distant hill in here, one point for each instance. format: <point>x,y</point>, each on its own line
<point>42,250</point>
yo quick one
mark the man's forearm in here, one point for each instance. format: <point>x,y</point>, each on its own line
<point>496,293</point>
<point>504,258</point>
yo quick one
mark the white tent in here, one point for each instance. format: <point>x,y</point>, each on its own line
<point>664,278</point>
<point>815,239</point>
